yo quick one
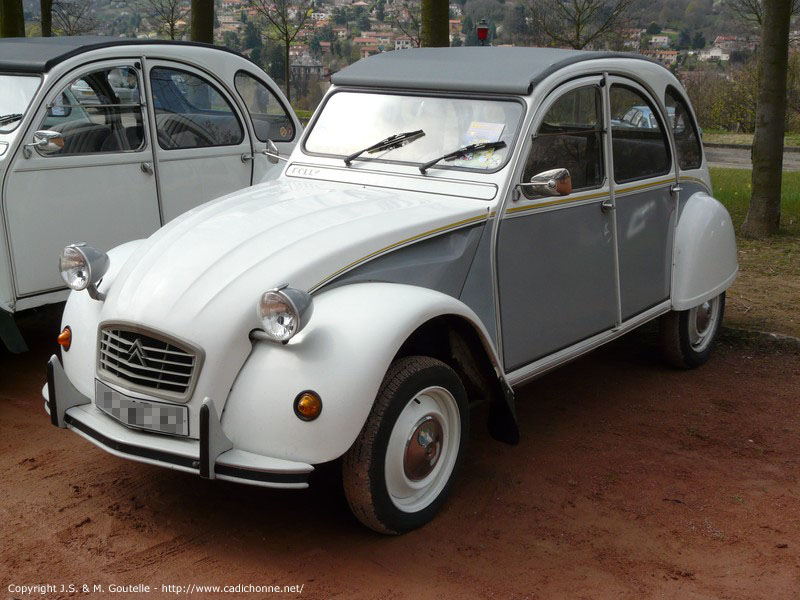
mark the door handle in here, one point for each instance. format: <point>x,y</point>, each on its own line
<point>247,157</point>
<point>607,205</point>
<point>147,168</point>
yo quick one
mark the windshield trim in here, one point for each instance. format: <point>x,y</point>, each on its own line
<point>424,93</point>
<point>14,124</point>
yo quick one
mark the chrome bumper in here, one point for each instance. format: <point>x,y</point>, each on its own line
<point>213,456</point>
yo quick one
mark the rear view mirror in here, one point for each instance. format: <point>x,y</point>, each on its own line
<point>555,182</point>
<point>272,154</point>
<point>45,141</point>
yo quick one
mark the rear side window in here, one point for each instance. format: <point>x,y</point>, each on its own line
<point>639,142</point>
<point>570,137</point>
<point>270,120</point>
<point>684,129</point>
<point>191,112</point>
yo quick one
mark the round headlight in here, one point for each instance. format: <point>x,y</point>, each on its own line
<point>284,312</point>
<point>75,269</point>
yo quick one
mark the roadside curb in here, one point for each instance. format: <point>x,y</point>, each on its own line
<point>745,146</point>
<point>761,336</point>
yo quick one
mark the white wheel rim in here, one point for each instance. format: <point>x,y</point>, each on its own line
<point>412,486</point>
<point>703,323</point>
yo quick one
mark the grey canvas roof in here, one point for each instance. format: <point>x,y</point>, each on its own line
<point>39,55</point>
<point>467,69</point>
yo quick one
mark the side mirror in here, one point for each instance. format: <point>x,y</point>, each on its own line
<point>556,182</point>
<point>271,151</point>
<point>45,141</point>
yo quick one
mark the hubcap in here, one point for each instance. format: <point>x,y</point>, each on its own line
<point>423,449</point>
<point>703,323</point>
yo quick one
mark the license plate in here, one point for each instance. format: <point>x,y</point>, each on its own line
<point>142,414</point>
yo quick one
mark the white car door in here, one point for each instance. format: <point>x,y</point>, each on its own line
<point>203,149</point>
<point>98,188</point>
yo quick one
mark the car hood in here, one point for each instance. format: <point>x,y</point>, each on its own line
<point>199,277</point>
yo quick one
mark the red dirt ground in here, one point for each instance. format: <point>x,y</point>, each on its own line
<point>632,480</point>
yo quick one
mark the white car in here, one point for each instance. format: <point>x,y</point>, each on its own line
<point>454,223</point>
<point>107,139</point>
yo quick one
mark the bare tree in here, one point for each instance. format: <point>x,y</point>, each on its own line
<point>73,17</point>
<point>764,213</point>
<point>12,19</point>
<point>435,26</point>
<point>406,15</point>
<point>203,21</point>
<point>752,12</point>
<point>576,23</point>
<point>285,23</point>
<point>167,16</point>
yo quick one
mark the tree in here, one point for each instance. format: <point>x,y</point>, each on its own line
<point>12,19</point>
<point>577,23</point>
<point>435,24</point>
<point>764,213</point>
<point>73,17</point>
<point>286,22</point>
<point>406,17</point>
<point>46,7</point>
<point>653,29</point>
<point>380,10</point>
<point>167,16</point>
<point>699,41</point>
<point>202,29</point>
<point>363,22</point>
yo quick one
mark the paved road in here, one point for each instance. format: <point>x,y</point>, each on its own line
<point>737,158</point>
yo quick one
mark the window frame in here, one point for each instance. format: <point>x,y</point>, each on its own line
<point>288,113</point>
<point>680,98</point>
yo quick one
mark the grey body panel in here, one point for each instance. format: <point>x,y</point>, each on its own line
<point>645,232</point>
<point>478,292</point>
<point>467,69</point>
<point>556,280</point>
<point>688,189</point>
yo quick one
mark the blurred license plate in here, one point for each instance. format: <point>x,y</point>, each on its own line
<point>142,414</point>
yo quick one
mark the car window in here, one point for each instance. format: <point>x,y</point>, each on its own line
<point>684,129</point>
<point>640,148</point>
<point>270,119</point>
<point>98,112</point>
<point>191,112</point>
<point>570,137</point>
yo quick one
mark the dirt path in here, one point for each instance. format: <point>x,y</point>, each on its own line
<point>631,481</point>
<point>739,158</point>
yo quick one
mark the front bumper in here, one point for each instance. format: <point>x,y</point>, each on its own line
<point>212,456</point>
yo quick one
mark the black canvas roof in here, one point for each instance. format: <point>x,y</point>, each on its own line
<point>468,69</point>
<point>39,55</point>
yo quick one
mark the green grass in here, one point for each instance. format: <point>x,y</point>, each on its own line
<point>720,136</point>
<point>732,188</point>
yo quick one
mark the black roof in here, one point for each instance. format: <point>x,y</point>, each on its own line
<point>39,54</point>
<point>508,70</point>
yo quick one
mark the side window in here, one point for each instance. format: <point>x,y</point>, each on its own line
<point>570,137</point>
<point>684,129</point>
<point>98,112</point>
<point>640,145</point>
<point>191,112</point>
<point>270,120</point>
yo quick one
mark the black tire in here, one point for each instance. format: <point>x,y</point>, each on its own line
<point>679,330</point>
<point>368,484</point>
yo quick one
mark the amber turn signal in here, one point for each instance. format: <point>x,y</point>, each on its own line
<point>307,405</point>
<point>65,338</point>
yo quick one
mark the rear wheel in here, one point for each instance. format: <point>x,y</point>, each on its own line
<point>687,337</point>
<point>400,469</point>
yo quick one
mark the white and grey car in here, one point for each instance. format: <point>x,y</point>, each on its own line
<point>106,140</point>
<point>452,224</point>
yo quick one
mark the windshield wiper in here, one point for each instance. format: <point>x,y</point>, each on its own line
<point>390,143</point>
<point>6,119</point>
<point>465,150</point>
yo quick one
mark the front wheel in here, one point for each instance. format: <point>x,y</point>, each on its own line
<point>687,336</point>
<point>399,471</point>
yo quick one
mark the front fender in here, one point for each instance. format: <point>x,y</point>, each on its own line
<point>705,261</point>
<point>343,355</point>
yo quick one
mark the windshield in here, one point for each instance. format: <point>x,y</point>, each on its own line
<point>16,92</point>
<point>352,121</point>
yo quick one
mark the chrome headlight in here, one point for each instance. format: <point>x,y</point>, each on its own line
<point>284,312</point>
<point>82,266</point>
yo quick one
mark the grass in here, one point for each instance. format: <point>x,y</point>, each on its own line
<point>720,136</point>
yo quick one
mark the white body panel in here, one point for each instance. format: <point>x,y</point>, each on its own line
<point>705,262</point>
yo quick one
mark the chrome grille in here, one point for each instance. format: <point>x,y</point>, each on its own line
<point>146,363</point>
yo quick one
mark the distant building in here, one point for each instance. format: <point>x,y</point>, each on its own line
<point>369,51</point>
<point>403,43</point>
<point>665,57</point>
<point>713,54</point>
<point>659,41</point>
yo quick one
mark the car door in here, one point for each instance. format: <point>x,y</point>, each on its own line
<point>98,187</point>
<point>270,120</point>
<point>203,150</point>
<point>555,256</point>
<point>645,205</point>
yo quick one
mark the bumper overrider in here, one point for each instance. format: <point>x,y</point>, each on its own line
<point>213,456</point>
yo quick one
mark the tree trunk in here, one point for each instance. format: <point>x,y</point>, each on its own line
<point>286,69</point>
<point>12,19</point>
<point>203,21</point>
<point>435,24</point>
<point>764,213</point>
<point>47,17</point>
